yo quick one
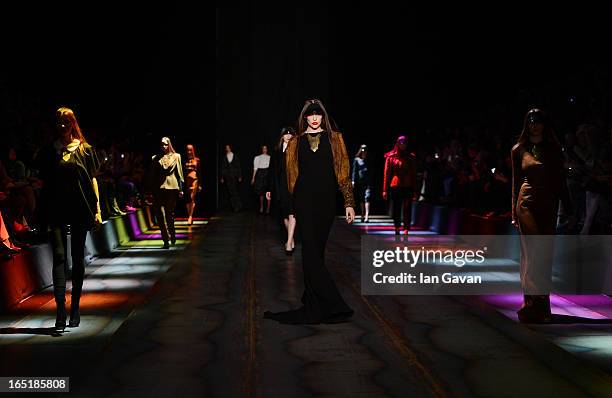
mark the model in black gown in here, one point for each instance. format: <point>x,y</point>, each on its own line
<point>314,199</point>
<point>315,208</point>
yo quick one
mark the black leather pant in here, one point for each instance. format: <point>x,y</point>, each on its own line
<point>401,199</point>
<point>77,252</point>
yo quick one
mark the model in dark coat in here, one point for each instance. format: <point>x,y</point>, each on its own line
<point>231,176</point>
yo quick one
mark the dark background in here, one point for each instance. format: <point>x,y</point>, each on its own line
<point>131,73</point>
<point>124,70</point>
<point>382,71</point>
<point>418,71</point>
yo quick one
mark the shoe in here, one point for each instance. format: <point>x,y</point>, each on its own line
<point>19,227</point>
<point>362,219</point>
<point>190,221</point>
<point>536,309</point>
<point>173,242</point>
<point>366,220</point>
<point>397,231</point>
<point>10,249</point>
<point>75,316</point>
<point>60,316</point>
<point>166,246</point>
<point>527,315</point>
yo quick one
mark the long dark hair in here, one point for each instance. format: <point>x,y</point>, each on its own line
<point>327,124</point>
<point>284,130</point>
<point>548,132</point>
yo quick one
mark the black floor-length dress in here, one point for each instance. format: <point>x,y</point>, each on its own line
<point>315,209</point>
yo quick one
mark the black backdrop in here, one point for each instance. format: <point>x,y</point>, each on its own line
<point>132,73</point>
<point>384,71</point>
<point>139,71</point>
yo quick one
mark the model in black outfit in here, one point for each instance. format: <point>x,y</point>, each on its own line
<point>362,183</point>
<point>71,203</point>
<point>231,177</point>
<point>317,166</point>
<point>282,191</point>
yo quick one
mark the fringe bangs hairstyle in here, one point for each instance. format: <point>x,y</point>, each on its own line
<point>302,124</point>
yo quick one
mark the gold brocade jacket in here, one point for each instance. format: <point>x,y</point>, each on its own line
<point>341,166</point>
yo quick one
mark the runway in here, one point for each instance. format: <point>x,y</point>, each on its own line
<point>188,322</point>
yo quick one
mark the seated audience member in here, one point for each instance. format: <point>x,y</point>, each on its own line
<point>7,248</point>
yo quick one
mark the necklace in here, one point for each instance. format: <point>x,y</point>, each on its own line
<point>535,151</point>
<point>313,141</point>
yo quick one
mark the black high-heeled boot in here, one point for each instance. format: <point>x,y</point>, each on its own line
<point>60,315</point>
<point>75,316</point>
<point>535,309</point>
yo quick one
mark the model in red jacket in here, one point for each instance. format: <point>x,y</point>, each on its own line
<point>399,183</point>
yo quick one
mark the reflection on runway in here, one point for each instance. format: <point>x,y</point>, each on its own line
<point>193,315</point>
<point>580,324</point>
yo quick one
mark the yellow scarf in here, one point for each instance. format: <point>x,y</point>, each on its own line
<point>70,148</point>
